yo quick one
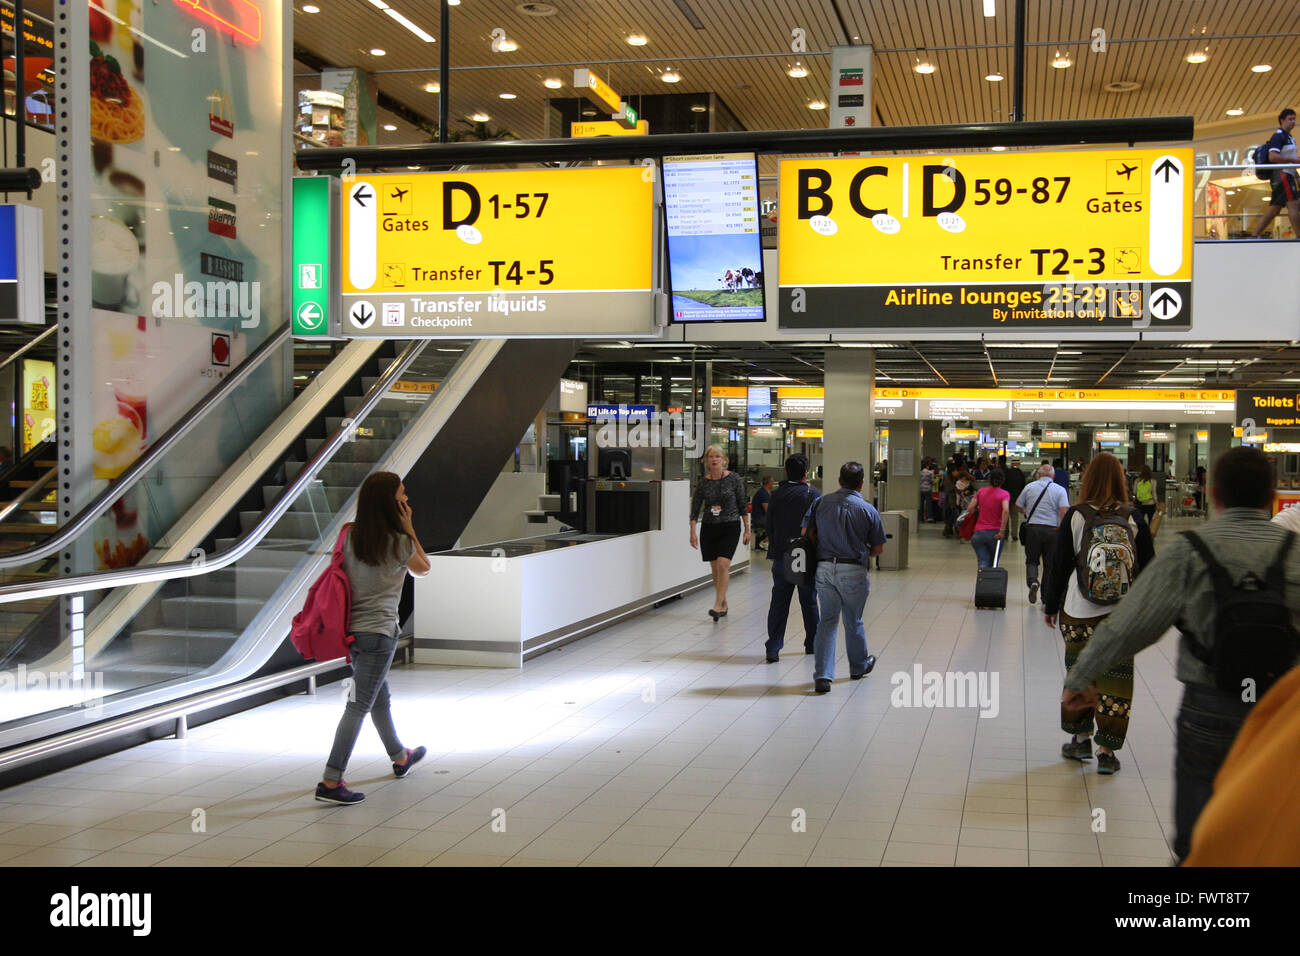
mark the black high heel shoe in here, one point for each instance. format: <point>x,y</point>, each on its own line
<point>716,614</point>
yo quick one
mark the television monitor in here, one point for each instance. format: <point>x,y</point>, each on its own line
<point>760,405</point>
<point>614,463</point>
<point>715,250</point>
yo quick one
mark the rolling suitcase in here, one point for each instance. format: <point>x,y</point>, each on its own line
<point>991,584</point>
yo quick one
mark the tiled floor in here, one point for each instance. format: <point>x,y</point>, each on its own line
<point>665,740</point>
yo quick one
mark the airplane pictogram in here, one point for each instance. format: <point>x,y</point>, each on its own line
<point>1126,171</point>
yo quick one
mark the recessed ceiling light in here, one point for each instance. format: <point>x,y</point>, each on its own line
<point>588,112</point>
<point>997,149</point>
<point>1235,112</point>
<point>480,117</point>
<point>414,167</point>
<point>536,9</point>
<point>798,71</point>
<point>432,88</point>
<point>409,24</point>
<point>310,8</point>
<point>507,45</point>
<point>1122,86</point>
<point>1196,56</point>
<point>697,108</point>
<point>672,76</point>
<point>817,105</point>
<point>506,96</point>
<point>552,83</point>
<point>453,3</point>
<point>1062,61</point>
<point>1261,68</point>
<point>637,39</point>
<point>378,52</point>
<point>994,77</point>
<point>390,127</point>
<point>924,67</point>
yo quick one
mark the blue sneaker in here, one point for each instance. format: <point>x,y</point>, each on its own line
<point>413,757</point>
<point>340,794</point>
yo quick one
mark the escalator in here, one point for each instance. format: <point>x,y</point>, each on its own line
<point>210,604</point>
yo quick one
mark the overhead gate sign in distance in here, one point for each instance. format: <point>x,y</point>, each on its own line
<point>1091,239</point>
<point>558,252</point>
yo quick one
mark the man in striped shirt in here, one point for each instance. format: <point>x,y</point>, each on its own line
<point>1176,589</point>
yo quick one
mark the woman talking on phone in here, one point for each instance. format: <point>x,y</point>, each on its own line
<point>381,549</point>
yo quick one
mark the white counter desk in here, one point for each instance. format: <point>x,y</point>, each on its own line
<point>500,604</point>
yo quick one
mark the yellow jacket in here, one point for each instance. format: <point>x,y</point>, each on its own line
<point>1253,819</point>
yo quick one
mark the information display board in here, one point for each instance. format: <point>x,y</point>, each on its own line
<point>715,251</point>
<point>1258,409</point>
<point>560,252</point>
<point>1089,239</point>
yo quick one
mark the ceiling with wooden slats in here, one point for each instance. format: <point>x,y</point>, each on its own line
<point>742,52</point>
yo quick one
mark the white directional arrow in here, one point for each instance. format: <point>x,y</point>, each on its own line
<point>310,315</point>
<point>363,236</point>
<point>1165,219</point>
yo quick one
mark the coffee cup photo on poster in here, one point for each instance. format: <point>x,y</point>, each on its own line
<point>116,264</point>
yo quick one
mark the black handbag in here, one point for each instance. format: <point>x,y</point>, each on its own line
<point>799,560</point>
<point>1023,533</point>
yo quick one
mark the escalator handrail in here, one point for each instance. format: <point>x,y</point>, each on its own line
<point>28,347</point>
<point>83,518</point>
<point>102,580</point>
<point>38,487</point>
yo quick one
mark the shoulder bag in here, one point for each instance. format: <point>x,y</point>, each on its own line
<point>1023,534</point>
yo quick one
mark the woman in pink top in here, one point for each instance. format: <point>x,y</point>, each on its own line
<point>993,506</point>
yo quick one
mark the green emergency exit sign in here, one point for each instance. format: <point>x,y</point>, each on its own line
<point>315,265</point>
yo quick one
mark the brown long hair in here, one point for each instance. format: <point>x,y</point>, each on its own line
<point>1103,484</point>
<point>377,530</point>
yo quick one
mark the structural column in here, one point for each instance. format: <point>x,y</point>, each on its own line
<point>1220,442</point>
<point>905,467</point>
<point>849,425</point>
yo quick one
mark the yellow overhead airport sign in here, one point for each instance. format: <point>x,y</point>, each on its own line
<point>608,128</point>
<point>1061,394</point>
<point>600,93</point>
<point>507,252</point>
<point>1083,239</point>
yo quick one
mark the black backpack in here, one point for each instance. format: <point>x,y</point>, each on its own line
<point>1253,635</point>
<point>1260,158</point>
<point>799,560</point>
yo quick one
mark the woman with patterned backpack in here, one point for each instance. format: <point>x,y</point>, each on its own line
<point>1102,545</point>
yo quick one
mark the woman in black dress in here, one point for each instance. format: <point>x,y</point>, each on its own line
<point>720,499</point>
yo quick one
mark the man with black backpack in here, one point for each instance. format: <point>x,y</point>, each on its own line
<point>1233,590</point>
<point>1280,148</point>
<point>785,511</point>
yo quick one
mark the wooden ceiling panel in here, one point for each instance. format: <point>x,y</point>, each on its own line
<point>743,52</point>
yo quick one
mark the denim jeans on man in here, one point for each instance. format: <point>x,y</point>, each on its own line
<point>1208,721</point>
<point>372,655</point>
<point>842,591</point>
<point>778,612</point>
<point>985,544</point>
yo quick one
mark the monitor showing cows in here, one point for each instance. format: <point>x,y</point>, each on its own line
<point>715,251</point>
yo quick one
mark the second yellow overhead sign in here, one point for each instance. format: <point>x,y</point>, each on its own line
<point>1025,240</point>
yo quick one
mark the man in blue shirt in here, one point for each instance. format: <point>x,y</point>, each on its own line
<point>849,532</point>
<point>1286,189</point>
<point>1044,504</point>
<point>790,502</point>
<point>1060,474</point>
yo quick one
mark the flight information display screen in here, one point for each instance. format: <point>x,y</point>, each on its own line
<point>715,251</point>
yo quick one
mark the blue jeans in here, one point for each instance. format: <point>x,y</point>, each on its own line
<point>842,591</point>
<point>1208,721</point>
<point>778,612</point>
<point>984,543</point>
<point>372,655</point>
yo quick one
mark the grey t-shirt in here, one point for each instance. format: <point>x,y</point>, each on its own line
<point>376,590</point>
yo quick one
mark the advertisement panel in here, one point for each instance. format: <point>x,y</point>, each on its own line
<point>976,241</point>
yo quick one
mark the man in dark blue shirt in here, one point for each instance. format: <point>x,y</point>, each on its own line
<point>785,514</point>
<point>849,532</point>
<point>762,499</point>
<point>1060,474</point>
<point>1286,189</point>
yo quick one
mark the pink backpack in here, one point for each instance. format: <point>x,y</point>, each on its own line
<point>320,629</point>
